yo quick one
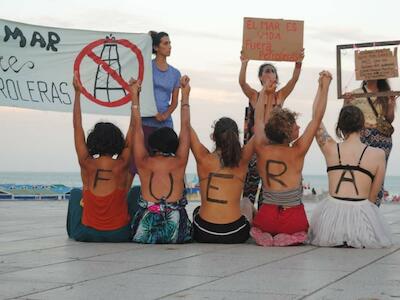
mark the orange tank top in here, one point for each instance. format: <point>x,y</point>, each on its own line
<point>108,212</point>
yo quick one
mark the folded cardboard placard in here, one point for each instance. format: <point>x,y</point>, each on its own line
<point>386,63</point>
<point>376,64</point>
<point>272,39</point>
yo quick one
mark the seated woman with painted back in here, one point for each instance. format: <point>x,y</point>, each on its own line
<point>161,216</point>
<point>102,214</point>
<point>349,216</point>
<point>281,219</point>
<point>222,173</point>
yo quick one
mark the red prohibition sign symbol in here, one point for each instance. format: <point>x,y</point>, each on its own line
<point>88,51</point>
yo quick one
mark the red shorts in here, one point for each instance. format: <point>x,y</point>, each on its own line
<point>275,219</point>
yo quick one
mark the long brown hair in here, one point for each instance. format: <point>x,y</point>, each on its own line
<point>351,119</point>
<point>383,86</point>
<point>226,137</point>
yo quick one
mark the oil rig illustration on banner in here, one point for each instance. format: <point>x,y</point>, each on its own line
<point>105,87</point>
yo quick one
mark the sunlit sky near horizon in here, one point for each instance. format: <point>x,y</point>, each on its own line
<point>206,39</point>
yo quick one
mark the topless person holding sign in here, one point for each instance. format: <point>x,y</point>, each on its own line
<point>221,174</point>
<point>161,174</point>
<point>281,220</point>
<point>266,71</point>
<point>100,212</point>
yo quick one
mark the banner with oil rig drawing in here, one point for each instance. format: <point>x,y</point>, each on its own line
<point>37,65</point>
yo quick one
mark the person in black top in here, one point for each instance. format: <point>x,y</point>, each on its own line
<point>349,216</point>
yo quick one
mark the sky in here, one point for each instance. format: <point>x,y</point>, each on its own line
<point>206,41</point>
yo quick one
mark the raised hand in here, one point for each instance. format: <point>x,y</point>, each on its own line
<point>243,58</point>
<point>185,86</point>
<point>135,87</point>
<point>301,56</point>
<point>392,99</point>
<point>325,78</point>
<point>348,97</point>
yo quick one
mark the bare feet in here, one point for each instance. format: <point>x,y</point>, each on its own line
<point>262,238</point>
<point>284,239</point>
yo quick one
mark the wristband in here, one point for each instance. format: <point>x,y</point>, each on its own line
<point>184,104</point>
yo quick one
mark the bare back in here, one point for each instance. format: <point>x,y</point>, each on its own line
<point>162,177</point>
<point>220,189</point>
<point>280,166</point>
<point>104,175</point>
<point>366,164</point>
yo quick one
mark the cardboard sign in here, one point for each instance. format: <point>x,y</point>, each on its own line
<point>37,65</point>
<point>272,39</point>
<point>376,64</point>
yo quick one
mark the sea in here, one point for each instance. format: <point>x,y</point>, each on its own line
<point>73,179</point>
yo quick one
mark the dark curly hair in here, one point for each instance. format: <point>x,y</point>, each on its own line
<point>351,119</point>
<point>280,124</point>
<point>226,137</point>
<point>261,70</point>
<point>105,139</point>
<point>164,140</point>
<point>156,38</point>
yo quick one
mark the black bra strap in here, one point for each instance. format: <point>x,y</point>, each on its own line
<point>362,154</point>
<point>338,151</point>
<point>354,168</point>
<point>348,199</point>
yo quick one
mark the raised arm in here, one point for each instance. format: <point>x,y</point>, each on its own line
<point>184,136</point>
<point>246,88</point>
<point>324,140</point>
<point>79,135</point>
<point>139,150</point>
<point>127,151</point>
<point>319,107</point>
<point>284,92</point>
<point>262,112</point>
<point>198,149</point>
<point>247,151</point>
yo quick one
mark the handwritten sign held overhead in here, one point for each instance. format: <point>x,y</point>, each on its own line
<point>376,64</point>
<point>272,39</point>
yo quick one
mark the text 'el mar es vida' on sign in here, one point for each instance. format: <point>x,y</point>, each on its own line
<point>272,39</point>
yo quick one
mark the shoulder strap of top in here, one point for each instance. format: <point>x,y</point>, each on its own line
<point>338,151</point>
<point>362,154</point>
<point>370,103</point>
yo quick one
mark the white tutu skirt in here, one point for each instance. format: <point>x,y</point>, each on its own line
<point>359,224</point>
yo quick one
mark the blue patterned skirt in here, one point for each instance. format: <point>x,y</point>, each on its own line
<point>372,137</point>
<point>161,223</point>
